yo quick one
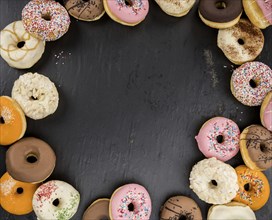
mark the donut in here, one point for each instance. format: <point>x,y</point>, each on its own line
<point>259,12</point>
<point>180,207</point>
<point>127,12</point>
<point>266,112</point>
<point>231,211</point>
<point>256,147</point>
<point>55,200</point>
<point>251,82</point>
<point>45,19</point>
<point>220,14</point>
<point>176,8</point>
<point>85,10</point>
<point>219,137</point>
<point>254,189</point>
<point>241,43</point>
<point>99,209</point>
<point>12,121</point>
<point>30,160</point>
<point>16,196</point>
<point>214,181</point>
<point>18,48</point>
<point>36,94</point>
<point>130,201</point>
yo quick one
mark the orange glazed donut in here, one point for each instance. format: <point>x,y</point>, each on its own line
<point>12,121</point>
<point>16,196</point>
<point>254,189</point>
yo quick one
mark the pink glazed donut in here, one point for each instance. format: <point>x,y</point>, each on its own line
<point>45,19</point>
<point>130,202</point>
<point>127,12</point>
<point>219,137</point>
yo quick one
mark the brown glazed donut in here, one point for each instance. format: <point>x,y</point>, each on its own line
<point>85,10</point>
<point>220,13</point>
<point>99,209</point>
<point>30,160</point>
<point>180,207</point>
<point>256,147</point>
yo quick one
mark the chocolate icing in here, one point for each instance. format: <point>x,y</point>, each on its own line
<point>209,11</point>
<point>259,146</point>
<point>85,10</point>
<point>34,171</point>
<point>180,206</point>
<point>98,210</point>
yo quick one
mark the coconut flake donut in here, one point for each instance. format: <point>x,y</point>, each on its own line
<point>130,201</point>
<point>266,112</point>
<point>12,121</point>
<point>259,12</point>
<point>18,48</point>
<point>36,94</point>
<point>256,147</point>
<point>30,160</point>
<point>241,43</point>
<point>176,8</point>
<point>127,14</point>
<point>46,19</point>
<point>219,137</point>
<point>231,211</point>
<point>214,181</point>
<point>99,209</point>
<point>220,13</point>
<point>251,82</point>
<point>180,207</point>
<point>85,10</point>
<point>16,196</point>
<point>55,200</point>
<point>254,189</point>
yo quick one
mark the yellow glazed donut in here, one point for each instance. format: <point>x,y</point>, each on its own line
<point>254,189</point>
<point>12,123</point>
<point>16,196</point>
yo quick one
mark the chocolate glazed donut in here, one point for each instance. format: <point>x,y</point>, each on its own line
<point>180,207</point>
<point>86,10</point>
<point>30,160</point>
<point>220,11</point>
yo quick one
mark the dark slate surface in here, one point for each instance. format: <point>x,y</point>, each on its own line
<point>131,102</point>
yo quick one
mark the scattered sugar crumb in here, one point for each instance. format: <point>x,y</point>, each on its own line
<point>6,186</point>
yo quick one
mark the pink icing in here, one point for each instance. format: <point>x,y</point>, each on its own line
<point>207,138</point>
<point>267,116</point>
<point>127,194</point>
<point>129,14</point>
<point>266,7</point>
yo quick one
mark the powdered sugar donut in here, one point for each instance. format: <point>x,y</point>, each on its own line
<point>45,19</point>
<point>130,202</point>
<point>251,82</point>
<point>127,14</point>
<point>36,94</point>
<point>55,200</point>
<point>214,181</point>
<point>219,137</point>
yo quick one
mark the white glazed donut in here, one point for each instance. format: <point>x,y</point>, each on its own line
<point>214,181</point>
<point>18,48</point>
<point>55,200</point>
<point>36,94</point>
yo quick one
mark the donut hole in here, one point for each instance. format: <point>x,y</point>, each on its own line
<point>19,190</point>
<point>220,139</point>
<point>85,0</point>
<point>46,17</point>
<point>241,41</point>
<point>2,121</point>
<point>253,83</point>
<point>221,5</point>
<point>182,217</point>
<point>131,207</point>
<point>56,202</point>
<point>128,3</point>
<point>33,98</point>
<point>21,44</point>
<point>263,148</point>
<point>213,183</point>
<point>247,187</point>
<point>31,158</point>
